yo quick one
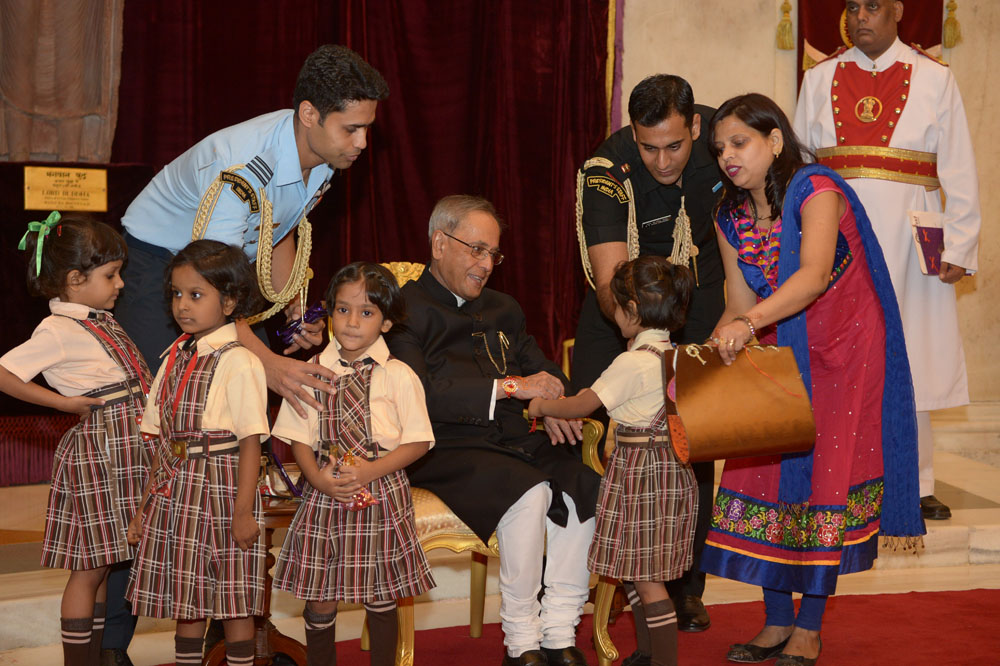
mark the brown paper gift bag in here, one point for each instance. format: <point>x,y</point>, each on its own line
<point>756,406</point>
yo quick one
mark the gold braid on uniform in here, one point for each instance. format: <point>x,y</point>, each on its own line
<point>298,281</point>
<point>632,238</point>
<point>681,253</point>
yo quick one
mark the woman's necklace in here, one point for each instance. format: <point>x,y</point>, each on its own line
<point>763,237</point>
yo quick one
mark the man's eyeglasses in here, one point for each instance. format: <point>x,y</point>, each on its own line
<point>479,252</point>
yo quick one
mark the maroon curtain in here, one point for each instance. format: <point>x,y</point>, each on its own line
<point>822,25</point>
<point>501,98</point>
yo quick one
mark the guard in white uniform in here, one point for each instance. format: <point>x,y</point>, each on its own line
<point>890,118</point>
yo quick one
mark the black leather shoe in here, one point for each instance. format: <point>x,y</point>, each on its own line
<point>934,509</point>
<point>691,614</point>
<point>745,653</point>
<point>528,658</point>
<point>638,659</point>
<point>567,656</point>
<point>115,657</point>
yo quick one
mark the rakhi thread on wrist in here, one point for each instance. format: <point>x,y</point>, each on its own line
<point>534,419</point>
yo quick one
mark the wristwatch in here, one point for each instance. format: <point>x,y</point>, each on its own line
<point>511,385</point>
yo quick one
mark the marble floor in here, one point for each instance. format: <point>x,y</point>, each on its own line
<point>961,553</point>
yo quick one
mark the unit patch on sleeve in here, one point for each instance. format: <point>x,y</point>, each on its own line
<point>608,187</point>
<point>241,188</point>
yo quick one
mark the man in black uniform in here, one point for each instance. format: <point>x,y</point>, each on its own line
<point>651,188</point>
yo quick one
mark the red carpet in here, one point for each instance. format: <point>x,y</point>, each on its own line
<point>893,630</point>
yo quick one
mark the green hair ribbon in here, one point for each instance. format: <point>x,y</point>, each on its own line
<point>43,228</point>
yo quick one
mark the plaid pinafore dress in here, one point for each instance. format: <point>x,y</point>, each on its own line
<point>101,464</point>
<point>332,553</point>
<point>647,503</point>
<point>188,566</point>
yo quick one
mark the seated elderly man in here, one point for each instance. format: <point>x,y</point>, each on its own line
<point>478,364</point>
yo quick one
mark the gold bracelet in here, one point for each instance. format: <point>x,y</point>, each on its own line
<point>746,320</point>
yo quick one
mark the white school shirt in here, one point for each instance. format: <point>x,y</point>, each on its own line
<point>70,358</point>
<point>396,398</point>
<point>237,398</point>
<point>631,388</point>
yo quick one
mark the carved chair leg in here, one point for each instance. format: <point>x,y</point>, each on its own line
<point>216,656</point>
<point>365,641</point>
<point>607,654</point>
<point>404,645</point>
<point>477,595</point>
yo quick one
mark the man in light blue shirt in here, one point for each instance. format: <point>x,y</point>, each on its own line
<point>226,182</point>
<point>286,158</point>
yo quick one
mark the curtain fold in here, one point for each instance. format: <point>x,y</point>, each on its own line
<point>502,99</point>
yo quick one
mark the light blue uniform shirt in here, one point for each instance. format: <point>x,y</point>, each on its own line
<point>163,213</point>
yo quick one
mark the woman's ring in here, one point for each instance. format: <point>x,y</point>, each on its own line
<point>732,343</point>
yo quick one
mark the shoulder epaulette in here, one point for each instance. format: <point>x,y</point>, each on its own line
<point>260,169</point>
<point>919,49</point>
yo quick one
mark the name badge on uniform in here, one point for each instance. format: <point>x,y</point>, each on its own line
<point>608,187</point>
<point>657,221</point>
<point>242,189</point>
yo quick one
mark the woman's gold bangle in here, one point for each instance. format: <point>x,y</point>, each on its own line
<point>746,320</point>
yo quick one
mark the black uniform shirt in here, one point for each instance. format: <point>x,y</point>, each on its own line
<point>605,201</point>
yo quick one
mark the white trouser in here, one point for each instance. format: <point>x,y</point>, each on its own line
<point>925,453</point>
<point>524,533</point>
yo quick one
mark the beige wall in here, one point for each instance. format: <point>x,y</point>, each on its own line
<point>725,48</point>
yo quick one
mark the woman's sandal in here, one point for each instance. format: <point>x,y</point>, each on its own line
<point>798,660</point>
<point>746,653</point>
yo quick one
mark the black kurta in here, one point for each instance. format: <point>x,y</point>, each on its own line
<point>479,467</point>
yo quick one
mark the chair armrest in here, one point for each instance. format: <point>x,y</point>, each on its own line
<point>593,436</point>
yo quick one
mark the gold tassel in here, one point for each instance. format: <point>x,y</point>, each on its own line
<point>952,29</point>
<point>785,39</point>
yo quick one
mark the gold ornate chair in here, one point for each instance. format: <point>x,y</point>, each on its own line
<point>439,527</point>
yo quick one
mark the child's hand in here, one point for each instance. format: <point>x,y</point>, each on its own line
<point>535,408</point>
<point>335,485</point>
<point>245,529</point>
<point>361,473</point>
<point>81,405</point>
<point>134,533</point>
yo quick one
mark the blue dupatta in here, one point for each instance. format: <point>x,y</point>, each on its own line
<point>901,515</point>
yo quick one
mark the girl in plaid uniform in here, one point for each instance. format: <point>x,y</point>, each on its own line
<point>341,546</point>
<point>201,552</point>
<point>648,499</point>
<point>102,463</point>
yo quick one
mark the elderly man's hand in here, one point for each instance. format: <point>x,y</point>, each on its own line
<point>540,385</point>
<point>564,430</point>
